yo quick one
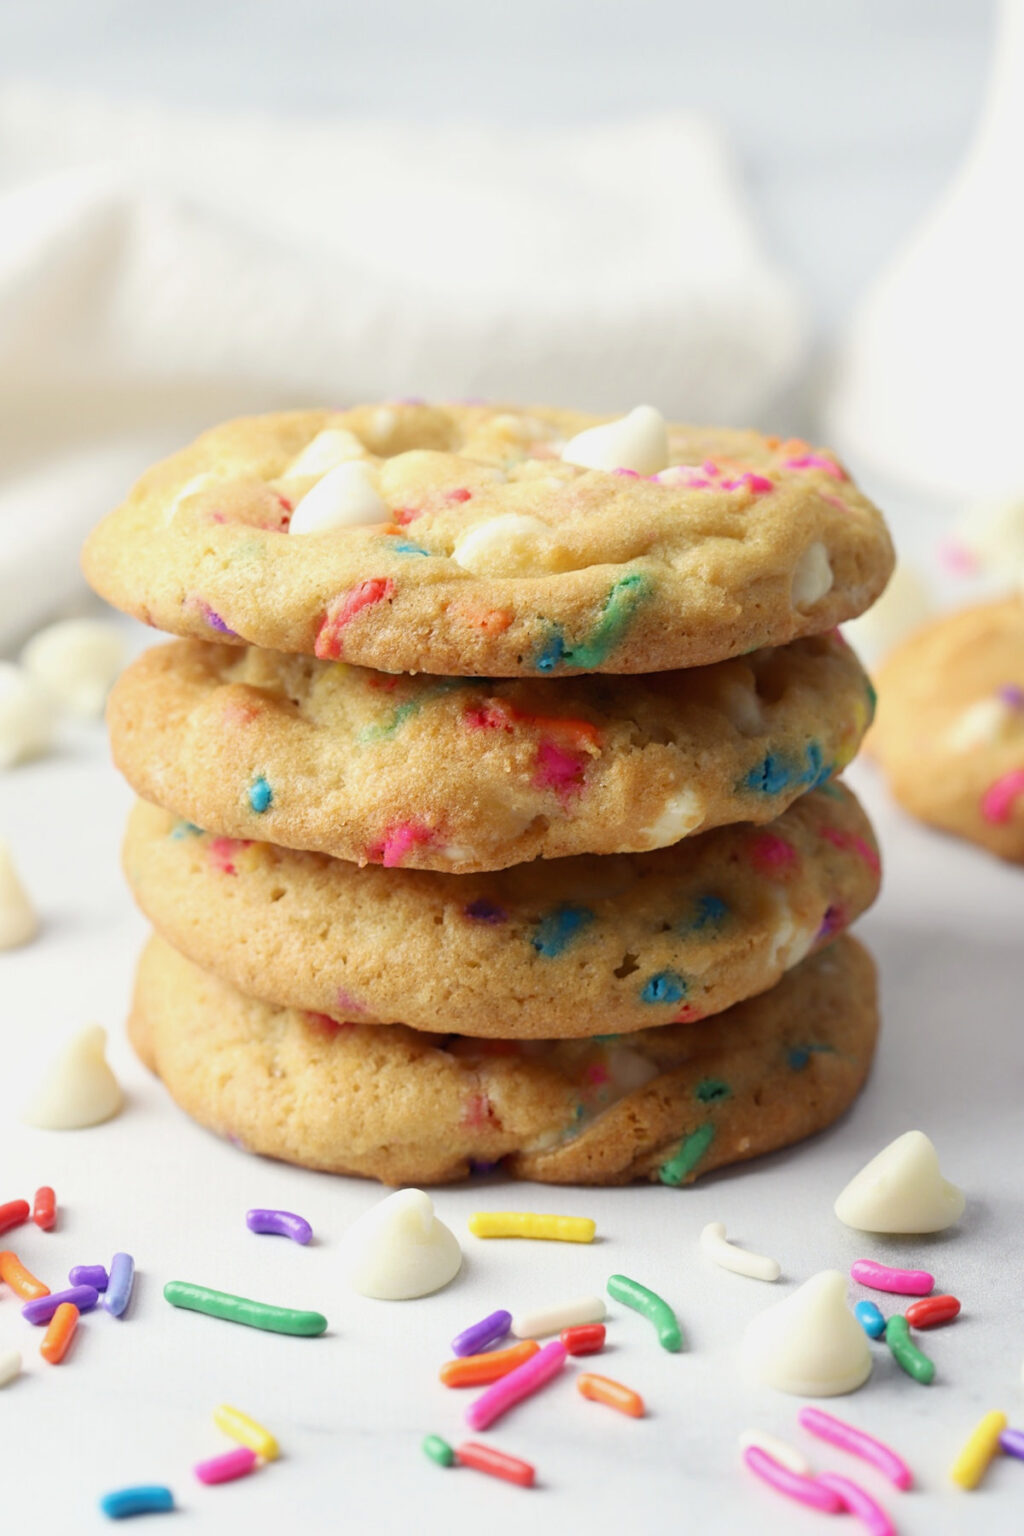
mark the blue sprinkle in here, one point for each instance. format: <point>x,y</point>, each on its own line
<point>800,1055</point>
<point>555,931</point>
<point>484,911</point>
<point>710,911</point>
<point>150,1499</point>
<point>185,829</point>
<point>410,549</point>
<point>770,777</point>
<point>665,987</point>
<point>261,796</point>
<point>552,654</point>
<point>870,1319</point>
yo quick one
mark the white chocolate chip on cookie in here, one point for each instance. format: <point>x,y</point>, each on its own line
<point>346,497</point>
<point>510,545</point>
<point>638,441</point>
<point>326,451</point>
<point>812,577</point>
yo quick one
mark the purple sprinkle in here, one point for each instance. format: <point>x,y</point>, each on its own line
<point>89,1274</point>
<point>119,1289</point>
<point>216,622</point>
<point>1012,695</point>
<point>482,1168</point>
<point>1012,1442</point>
<point>84,1297</point>
<point>280,1224</point>
<point>484,911</point>
<point>487,1331</point>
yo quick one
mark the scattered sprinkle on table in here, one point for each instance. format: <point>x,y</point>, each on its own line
<point>859,1443</point>
<point>89,1274</point>
<point>601,1389</point>
<point>84,1297</point>
<point>779,1450</point>
<point>240,1427</point>
<point>21,1280</point>
<point>650,1305</point>
<point>58,1336</point>
<point>44,1208</point>
<point>279,1224</point>
<point>870,1319</point>
<point>480,1370</point>
<point>120,1284</point>
<point>757,1266</point>
<point>517,1385</point>
<point>932,1311</point>
<point>227,1467</point>
<point>150,1499</point>
<point>882,1277</point>
<point>569,1314</point>
<point>858,1502</point>
<point>793,1485</point>
<point>479,1335</point>
<point>1012,1442</point>
<point>484,1458</point>
<point>981,1445</point>
<point>906,1353</point>
<point>13,1214</point>
<point>586,1340</point>
<point>438,1450</point>
<point>239,1309</point>
<point>553,1229</point>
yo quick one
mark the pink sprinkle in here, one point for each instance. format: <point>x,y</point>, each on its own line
<point>858,1443</point>
<point>398,841</point>
<point>224,1469</point>
<point>522,1382</point>
<point>487,716</point>
<point>222,852</point>
<point>711,469</point>
<point>998,800</point>
<point>881,1277</point>
<point>806,1490</point>
<point>851,843</point>
<point>957,558</point>
<point>597,1074</point>
<point>769,852</point>
<point>858,1502</point>
<point>629,474</point>
<point>816,461</point>
<point>835,501</point>
<point>344,609</point>
<point>479,1111</point>
<point>346,1003</point>
<point>559,770</point>
<point>460,495</point>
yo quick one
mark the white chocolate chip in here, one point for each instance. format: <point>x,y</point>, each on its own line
<point>742,707</point>
<point>901,1191</point>
<point>10,1365</point>
<point>326,451</point>
<point>79,1089</point>
<point>683,813</point>
<point>382,424</point>
<point>26,717</point>
<point>399,1250</point>
<point>76,661</point>
<point>510,545</point>
<point>346,497</point>
<point>628,1070</point>
<point>812,577</point>
<point>18,921</point>
<point>638,441</point>
<point>982,723</point>
<point>191,488</point>
<point>904,606</point>
<point>810,1343</point>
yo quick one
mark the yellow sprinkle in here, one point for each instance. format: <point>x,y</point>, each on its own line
<point>557,1229</point>
<point>982,1443</point>
<point>246,1431</point>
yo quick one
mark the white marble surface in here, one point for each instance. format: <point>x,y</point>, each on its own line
<point>133,1401</point>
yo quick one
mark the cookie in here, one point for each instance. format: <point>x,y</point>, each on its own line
<point>468,541</point>
<point>408,1108</point>
<point>467,775</point>
<point>950,727</point>
<point>572,947</point>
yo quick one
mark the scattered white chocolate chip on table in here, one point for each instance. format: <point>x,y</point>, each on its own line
<point>399,1249</point>
<point>75,662</point>
<point>26,717</point>
<point>79,1089</point>
<point>809,1344</point>
<point>901,1191</point>
<point>18,921</point>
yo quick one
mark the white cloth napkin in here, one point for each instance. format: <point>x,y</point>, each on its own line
<point>159,272</point>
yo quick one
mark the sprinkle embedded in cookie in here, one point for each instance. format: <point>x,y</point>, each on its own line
<point>463,774</point>
<point>409,1108</point>
<point>469,541</point>
<point>568,947</point>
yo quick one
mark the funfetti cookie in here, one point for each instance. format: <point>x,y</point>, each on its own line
<point>468,541</point>
<point>950,727</point>
<point>569,947</point>
<point>668,1104</point>
<point>464,775</point>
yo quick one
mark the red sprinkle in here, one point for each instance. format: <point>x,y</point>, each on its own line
<point>344,609</point>
<point>484,1458</point>
<point>460,495</point>
<point>13,1214</point>
<point>932,1310</point>
<point>587,1339</point>
<point>44,1207</point>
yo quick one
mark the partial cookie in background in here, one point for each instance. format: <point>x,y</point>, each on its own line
<point>391,1104</point>
<point>570,947</point>
<point>462,540</point>
<point>949,732</point>
<point>466,775</point>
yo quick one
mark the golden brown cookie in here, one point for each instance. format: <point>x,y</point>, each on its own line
<point>463,540</point>
<point>563,948</point>
<point>669,1104</point>
<point>950,727</point>
<point>464,775</point>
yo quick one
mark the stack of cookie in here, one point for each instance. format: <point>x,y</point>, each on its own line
<point>489,808</point>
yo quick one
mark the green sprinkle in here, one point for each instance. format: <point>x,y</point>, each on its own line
<point>387,728</point>
<point>711,1088</point>
<point>691,1150</point>
<point>616,616</point>
<point>650,1305</point>
<point>238,1309</point>
<point>906,1354</point>
<point>438,1450</point>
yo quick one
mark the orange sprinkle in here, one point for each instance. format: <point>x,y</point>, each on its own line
<point>492,621</point>
<point>601,1389</point>
<point>477,1370</point>
<point>20,1280</point>
<point>60,1333</point>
